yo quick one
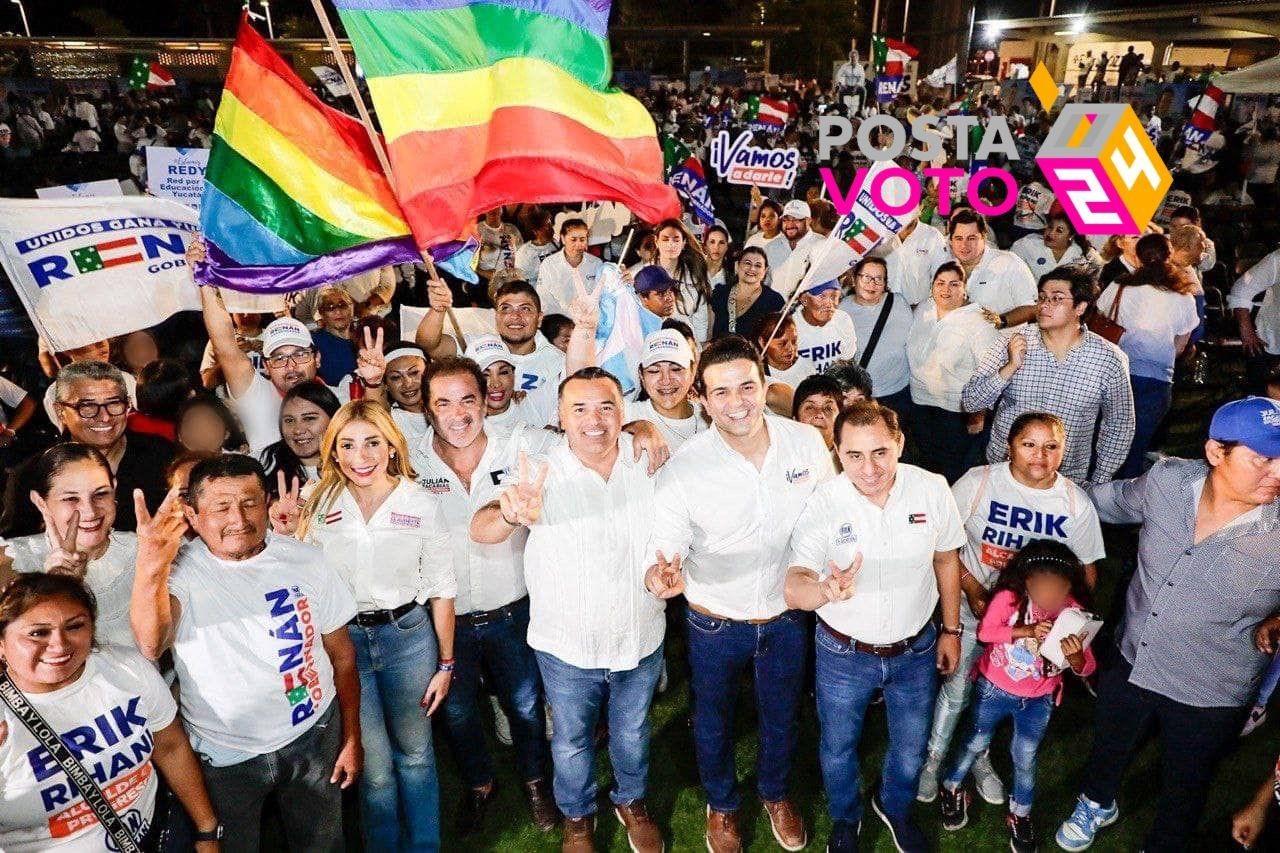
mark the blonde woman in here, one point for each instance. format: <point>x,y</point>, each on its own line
<point>384,534</point>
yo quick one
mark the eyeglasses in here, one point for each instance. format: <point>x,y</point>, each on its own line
<point>333,306</point>
<point>1054,299</point>
<point>88,409</point>
<point>293,358</point>
<point>870,279</point>
<point>751,266</point>
<point>522,310</point>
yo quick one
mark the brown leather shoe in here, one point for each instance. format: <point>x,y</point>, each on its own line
<point>788,826</point>
<point>642,832</point>
<point>577,835</point>
<point>722,832</point>
<point>542,805</point>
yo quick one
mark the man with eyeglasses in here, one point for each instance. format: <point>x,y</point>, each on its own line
<point>997,280</point>
<point>92,406</point>
<point>1059,366</point>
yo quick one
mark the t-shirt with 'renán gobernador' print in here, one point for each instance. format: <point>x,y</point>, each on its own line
<point>248,645</point>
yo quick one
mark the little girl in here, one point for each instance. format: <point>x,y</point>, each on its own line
<point>1014,680</point>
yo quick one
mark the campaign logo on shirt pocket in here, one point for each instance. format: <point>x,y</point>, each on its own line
<point>435,485</point>
<point>917,518</point>
<point>845,535</point>
<point>402,520</point>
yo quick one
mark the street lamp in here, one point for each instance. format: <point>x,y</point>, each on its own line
<point>22,11</point>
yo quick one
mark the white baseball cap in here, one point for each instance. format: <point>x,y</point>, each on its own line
<point>285,332</point>
<point>796,209</point>
<point>488,350</point>
<point>666,345</point>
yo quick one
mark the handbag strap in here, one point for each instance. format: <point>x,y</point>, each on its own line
<point>79,776</point>
<point>1114,314</point>
<point>881,322</point>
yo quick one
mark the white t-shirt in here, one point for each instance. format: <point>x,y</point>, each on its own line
<point>248,646</point>
<point>1152,317</point>
<point>1001,515</point>
<point>824,345</point>
<point>675,431</point>
<point>1039,258</point>
<point>529,259</point>
<point>259,411</point>
<point>108,718</point>
<point>888,366</point>
<point>793,375</point>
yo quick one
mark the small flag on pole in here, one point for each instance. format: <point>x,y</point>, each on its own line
<point>145,74</point>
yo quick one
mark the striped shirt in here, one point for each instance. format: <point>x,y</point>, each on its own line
<point>1089,390</point>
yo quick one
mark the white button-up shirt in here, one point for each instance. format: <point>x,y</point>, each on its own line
<point>585,562</point>
<point>732,522</point>
<point>1000,282</point>
<point>1262,277</point>
<point>896,589</point>
<point>910,272</point>
<point>555,281</point>
<point>943,352</point>
<point>489,576</point>
<point>401,554</point>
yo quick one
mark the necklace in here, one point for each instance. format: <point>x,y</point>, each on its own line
<point>671,423</point>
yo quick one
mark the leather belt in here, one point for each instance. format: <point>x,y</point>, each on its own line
<point>480,618</point>
<point>710,615</point>
<point>374,618</point>
<point>888,650</point>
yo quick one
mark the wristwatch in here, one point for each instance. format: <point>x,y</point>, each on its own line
<point>214,834</point>
<point>955,632</point>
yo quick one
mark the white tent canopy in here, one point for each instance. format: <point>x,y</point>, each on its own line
<point>1262,78</point>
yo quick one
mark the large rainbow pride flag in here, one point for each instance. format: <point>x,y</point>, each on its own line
<point>294,195</point>
<point>494,102</point>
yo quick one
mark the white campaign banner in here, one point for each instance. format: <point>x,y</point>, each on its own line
<point>89,269</point>
<point>93,189</point>
<point>177,173</point>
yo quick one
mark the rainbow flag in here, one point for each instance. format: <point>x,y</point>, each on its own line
<point>294,195</point>
<point>494,102</point>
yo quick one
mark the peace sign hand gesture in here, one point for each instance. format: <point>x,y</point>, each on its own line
<point>838,584</point>
<point>665,578</point>
<point>371,364</point>
<point>64,557</point>
<point>584,310</point>
<point>160,535</point>
<point>287,509</point>
<point>521,504</point>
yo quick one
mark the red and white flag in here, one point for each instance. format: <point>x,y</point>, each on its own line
<point>159,77</point>
<point>1205,116</point>
<point>897,55</point>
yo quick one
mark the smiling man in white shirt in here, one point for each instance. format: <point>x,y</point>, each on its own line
<point>997,280</point>
<point>874,553</point>
<point>596,633</point>
<point>727,502</point>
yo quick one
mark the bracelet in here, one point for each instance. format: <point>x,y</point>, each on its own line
<point>955,632</point>
<point>446,665</point>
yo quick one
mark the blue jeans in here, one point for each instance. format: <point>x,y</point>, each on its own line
<point>719,651</point>
<point>500,649</point>
<point>1151,400</point>
<point>577,696</point>
<point>399,789</point>
<point>846,681</point>
<point>1030,716</point>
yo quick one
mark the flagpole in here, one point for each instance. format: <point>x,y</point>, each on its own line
<point>815,261</point>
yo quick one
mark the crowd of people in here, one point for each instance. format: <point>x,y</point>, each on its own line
<point>282,563</point>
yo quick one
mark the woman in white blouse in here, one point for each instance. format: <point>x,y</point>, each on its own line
<point>76,494</point>
<point>1058,244</point>
<point>384,534</point>
<point>947,338</point>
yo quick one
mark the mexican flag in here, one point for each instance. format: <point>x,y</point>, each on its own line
<point>767,112</point>
<point>145,74</point>
<point>889,57</point>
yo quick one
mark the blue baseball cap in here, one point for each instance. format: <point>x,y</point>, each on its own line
<point>823,287</point>
<point>1253,422</point>
<point>654,277</point>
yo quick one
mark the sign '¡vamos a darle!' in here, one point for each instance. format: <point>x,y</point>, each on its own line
<point>740,162</point>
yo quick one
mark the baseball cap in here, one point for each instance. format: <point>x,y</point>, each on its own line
<point>823,286</point>
<point>666,345</point>
<point>285,332</point>
<point>654,277</point>
<point>488,350</point>
<point>796,209</point>
<point>1253,422</point>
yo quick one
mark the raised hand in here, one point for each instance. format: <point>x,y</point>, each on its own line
<point>439,296</point>
<point>196,252</point>
<point>64,557</point>
<point>287,509</point>
<point>584,310</point>
<point>521,504</point>
<point>371,364</point>
<point>838,584</point>
<point>665,578</point>
<point>160,535</point>
<point>1017,351</point>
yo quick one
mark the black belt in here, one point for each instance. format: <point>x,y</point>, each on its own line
<point>480,618</point>
<point>373,618</point>
<point>888,650</point>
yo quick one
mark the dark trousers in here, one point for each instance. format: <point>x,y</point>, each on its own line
<point>1151,401</point>
<point>1192,741</point>
<point>945,444</point>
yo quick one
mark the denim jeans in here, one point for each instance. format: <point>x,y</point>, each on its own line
<point>500,650</point>
<point>577,697</point>
<point>954,692</point>
<point>298,775</point>
<point>847,679</point>
<point>1030,719</point>
<point>719,651</point>
<point>399,789</point>
<point>1151,401</point>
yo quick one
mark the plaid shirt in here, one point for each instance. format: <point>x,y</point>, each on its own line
<point>1091,385</point>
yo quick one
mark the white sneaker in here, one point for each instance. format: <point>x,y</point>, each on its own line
<point>1257,717</point>
<point>927,790</point>
<point>501,725</point>
<point>985,780</point>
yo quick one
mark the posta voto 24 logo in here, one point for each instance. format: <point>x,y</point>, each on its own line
<point>1097,159</point>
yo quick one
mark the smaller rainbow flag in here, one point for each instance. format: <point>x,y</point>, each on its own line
<point>294,194</point>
